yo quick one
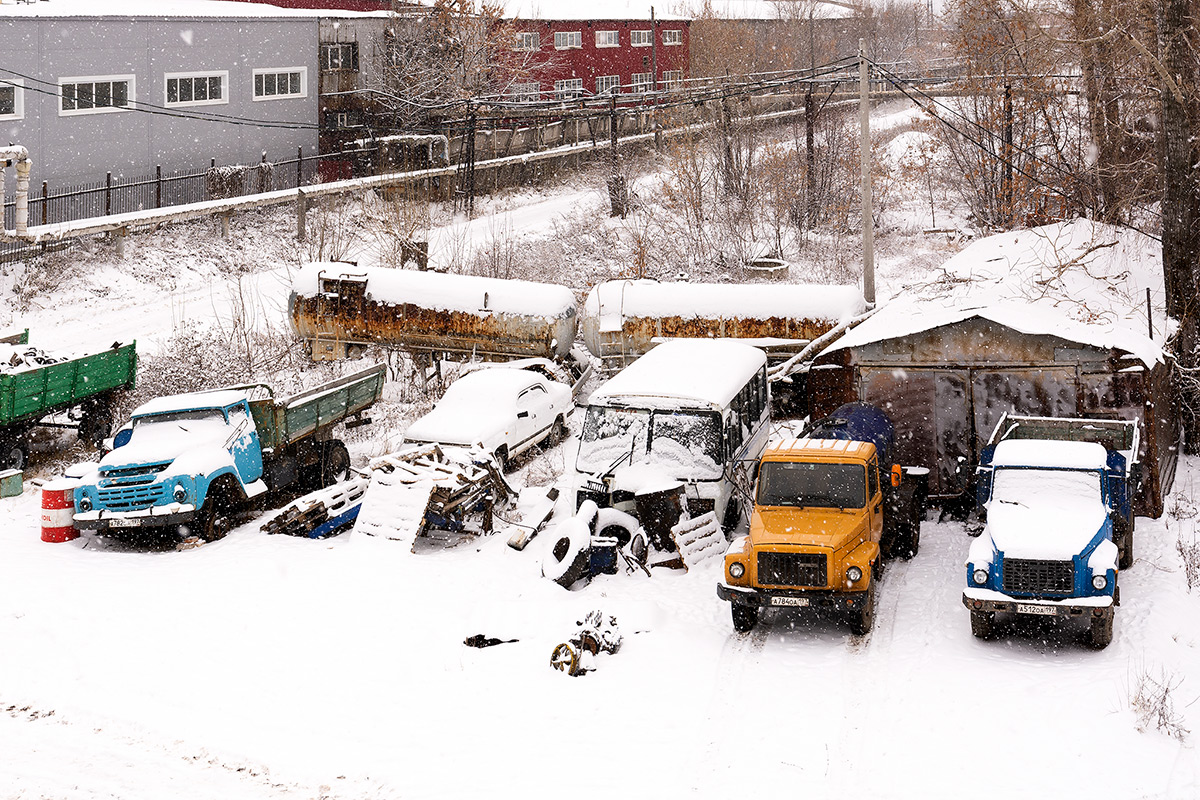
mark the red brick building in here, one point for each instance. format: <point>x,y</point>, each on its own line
<point>580,57</point>
<point>330,5</point>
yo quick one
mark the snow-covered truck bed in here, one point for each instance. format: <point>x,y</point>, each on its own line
<point>30,391</point>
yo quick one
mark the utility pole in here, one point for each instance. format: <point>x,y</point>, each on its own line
<point>868,224</point>
<point>470,176</point>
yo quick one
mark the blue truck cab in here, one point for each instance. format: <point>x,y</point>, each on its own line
<point>1047,549</point>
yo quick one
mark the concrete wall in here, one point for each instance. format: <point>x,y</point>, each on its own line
<point>82,148</point>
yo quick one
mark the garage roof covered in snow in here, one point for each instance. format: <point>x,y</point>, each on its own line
<point>1081,281</point>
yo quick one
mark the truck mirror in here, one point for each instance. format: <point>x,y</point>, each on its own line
<point>122,438</point>
<point>897,472</point>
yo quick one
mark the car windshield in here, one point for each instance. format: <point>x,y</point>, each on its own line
<point>181,419</point>
<point>799,484</point>
<point>1044,488</point>
<point>686,443</point>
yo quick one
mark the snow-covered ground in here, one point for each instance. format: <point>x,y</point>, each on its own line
<point>265,666</point>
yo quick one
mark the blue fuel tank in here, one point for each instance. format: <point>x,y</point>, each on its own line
<point>858,422</point>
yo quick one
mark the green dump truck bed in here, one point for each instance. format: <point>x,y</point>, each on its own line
<point>30,394</point>
<point>281,422</point>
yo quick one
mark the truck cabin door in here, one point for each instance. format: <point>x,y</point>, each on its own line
<point>243,444</point>
<point>874,500</point>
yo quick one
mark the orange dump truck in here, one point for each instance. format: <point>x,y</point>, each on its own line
<point>827,509</point>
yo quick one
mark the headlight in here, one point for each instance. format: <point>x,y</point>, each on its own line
<point>854,574</point>
<point>180,493</point>
<point>1099,582</point>
<point>85,503</point>
<point>737,569</point>
<point>980,576</point>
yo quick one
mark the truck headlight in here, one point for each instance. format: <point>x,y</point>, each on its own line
<point>737,569</point>
<point>980,576</point>
<point>854,574</point>
<point>1099,582</point>
<point>180,493</point>
<point>85,503</point>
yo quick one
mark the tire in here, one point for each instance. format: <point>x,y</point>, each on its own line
<point>1100,634</point>
<point>733,514</point>
<point>14,455</point>
<point>501,458</point>
<point>215,519</point>
<point>744,617</point>
<point>983,624</point>
<point>1126,558</point>
<point>96,424</point>
<point>335,463</point>
<point>863,620</point>
<point>558,434</point>
<point>912,542</point>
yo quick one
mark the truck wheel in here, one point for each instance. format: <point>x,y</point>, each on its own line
<point>14,455</point>
<point>96,424</point>
<point>1101,633</point>
<point>1125,561</point>
<point>733,513</point>
<point>215,519</point>
<point>983,624</point>
<point>912,542</point>
<point>863,620</point>
<point>335,463</point>
<point>744,617</point>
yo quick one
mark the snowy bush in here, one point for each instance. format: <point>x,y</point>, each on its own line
<point>1152,700</point>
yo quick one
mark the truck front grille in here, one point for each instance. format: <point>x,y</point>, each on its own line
<point>1038,577</point>
<point>792,569</point>
<point>131,498</point>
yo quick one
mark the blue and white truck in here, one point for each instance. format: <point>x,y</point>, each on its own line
<point>1058,499</point>
<point>190,461</point>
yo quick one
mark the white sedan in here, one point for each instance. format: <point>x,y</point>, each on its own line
<point>504,411</point>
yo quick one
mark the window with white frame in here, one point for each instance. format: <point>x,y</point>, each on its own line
<point>568,89</point>
<point>339,57</point>
<point>568,40</point>
<point>642,82</point>
<point>527,40</point>
<point>196,88</point>
<point>95,94</point>
<point>12,98</point>
<point>342,120</point>
<point>281,83</point>
<point>608,84</point>
<point>641,38</point>
<point>672,36</point>
<point>608,38</point>
<point>672,79</point>
<point>525,92</point>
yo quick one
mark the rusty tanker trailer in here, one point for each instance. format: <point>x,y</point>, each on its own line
<point>339,309</point>
<point>622,320</point>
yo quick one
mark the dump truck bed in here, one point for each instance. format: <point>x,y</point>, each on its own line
<point>1114,434</point>
<point>31,394</point>
<point>282,422</point>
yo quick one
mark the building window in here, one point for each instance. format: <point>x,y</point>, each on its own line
<point>12,99</point>
<point>642,82</point>
<point>608,38</point>
<point>339,57</point>
<point>528,41</point>
<point>673,79</point>
<point>196,88</point>
<point>641,38</point>
<point>280,84</point>
<point>568,40</point>
<point>673,36</point>
<point>342,120</point>
<point>525,92</point>
<point>568,89</point>
<point>608,84</point>
<point>95,95</point>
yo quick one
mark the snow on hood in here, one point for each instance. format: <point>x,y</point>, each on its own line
<point>1080,280</point>
<point>444,292</point>
<point>1044,513</point>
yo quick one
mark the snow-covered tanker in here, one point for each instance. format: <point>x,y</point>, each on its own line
<point>340,308</point>
<point>622,320</point>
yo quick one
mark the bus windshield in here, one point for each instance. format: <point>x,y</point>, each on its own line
<point>686,443</point>
<point>797,484</point>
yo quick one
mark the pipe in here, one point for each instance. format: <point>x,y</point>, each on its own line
<point>15,152</point>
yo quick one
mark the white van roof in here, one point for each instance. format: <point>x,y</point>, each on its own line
<point>696,372</point>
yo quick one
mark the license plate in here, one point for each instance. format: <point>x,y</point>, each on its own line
<point>124,522</point>
<point>1045,611</point>
<point>789,601</point>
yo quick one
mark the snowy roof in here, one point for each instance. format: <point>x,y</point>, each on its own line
<point>710,372</point>
<point>163,9</point>
<point>1050,453</point>
<point>1082,281</point>
<point>593,10</point>
<point>445,292</point>
<point>647,298</point>
<point>185,402</point>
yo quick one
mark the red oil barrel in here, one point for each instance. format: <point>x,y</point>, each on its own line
<point>58,511</point>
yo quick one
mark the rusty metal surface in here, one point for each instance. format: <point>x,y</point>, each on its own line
<point>349,314</point>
